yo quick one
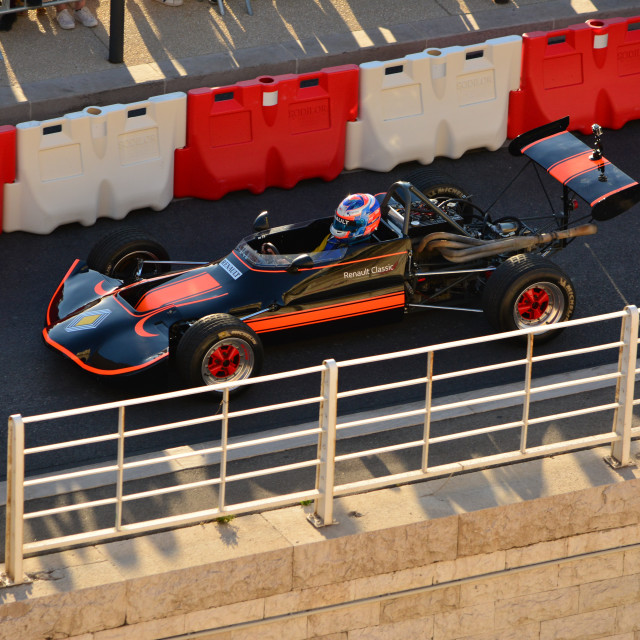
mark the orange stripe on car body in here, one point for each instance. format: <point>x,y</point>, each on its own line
<point>173,292</point>
<point>102,372</point>
<point>100,290</point>
<point>328,313</point>
<point>139,328</point>
<point>132,312</point>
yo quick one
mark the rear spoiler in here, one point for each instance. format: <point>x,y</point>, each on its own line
<point>583,170</point>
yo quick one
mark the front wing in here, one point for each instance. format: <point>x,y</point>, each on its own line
<point>88,324</point>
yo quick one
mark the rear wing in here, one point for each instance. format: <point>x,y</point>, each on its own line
<point>585,171</point>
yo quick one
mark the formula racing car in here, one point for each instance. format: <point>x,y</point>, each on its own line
<point>129,307</point>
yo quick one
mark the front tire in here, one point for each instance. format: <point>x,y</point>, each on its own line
<point>117,255</point>
<point>527,291</point>
<point>218,348</point>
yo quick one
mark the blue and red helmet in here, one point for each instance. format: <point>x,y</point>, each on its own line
<point>356,217</point>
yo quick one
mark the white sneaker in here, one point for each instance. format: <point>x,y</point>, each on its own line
<point>171,3</point>
<point>65,20</point>
<point>85,17</point>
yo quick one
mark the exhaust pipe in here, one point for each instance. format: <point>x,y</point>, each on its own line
<point>456,248</point>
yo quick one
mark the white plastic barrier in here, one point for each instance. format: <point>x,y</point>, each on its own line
<point>99,162</point>
<point>441,102</point>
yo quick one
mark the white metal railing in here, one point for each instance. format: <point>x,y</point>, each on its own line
<point>325,433</point>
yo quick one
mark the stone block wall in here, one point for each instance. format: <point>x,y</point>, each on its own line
<point>557,567</point>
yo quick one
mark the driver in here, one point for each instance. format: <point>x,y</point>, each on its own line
<point>356,218</point>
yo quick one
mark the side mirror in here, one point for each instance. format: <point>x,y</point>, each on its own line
<point>261,223</point>
<point>303,261</point>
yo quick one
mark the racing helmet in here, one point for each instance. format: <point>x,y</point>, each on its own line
<point>356,217</point>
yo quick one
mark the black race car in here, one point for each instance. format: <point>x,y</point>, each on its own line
<point>128,307</point>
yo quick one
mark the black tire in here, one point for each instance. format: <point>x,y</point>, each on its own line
<point>528,290</point>
<point>218,348</point>
<point>117,254</point>
<point>440,187</point>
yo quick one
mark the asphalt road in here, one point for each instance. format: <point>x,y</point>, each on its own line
<point>35,380</point>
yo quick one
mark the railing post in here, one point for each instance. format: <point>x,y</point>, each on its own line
<point>224,443</point>
<point>15,502</point>
<point>120,478</point>
<point>526,404</point>
<point>620,449</point>
<point>426,433</point>
<point>325,475</point>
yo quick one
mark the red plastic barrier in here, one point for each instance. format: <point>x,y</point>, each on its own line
<point>7,161</point>
<point>271,131</point>
<point>589,71</point>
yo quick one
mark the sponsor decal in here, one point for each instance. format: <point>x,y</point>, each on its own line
<point>87,320</point>
<point>234,272</point>
<point>370,271</point>
<point>475,88</point>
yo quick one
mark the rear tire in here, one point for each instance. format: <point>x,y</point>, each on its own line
<point>218,348</point>
<point>117,254</point>
<point>526,291</point>
<point>440,187</point>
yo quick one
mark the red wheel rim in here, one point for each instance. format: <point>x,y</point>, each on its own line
<point>533,303</point>
<point>541,303</point>
<point>228,359</point>
<point>224,361</point>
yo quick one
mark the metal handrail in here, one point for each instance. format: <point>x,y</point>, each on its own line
<point>328,427</point>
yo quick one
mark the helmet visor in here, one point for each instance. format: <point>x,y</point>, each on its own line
<point>340,224</point>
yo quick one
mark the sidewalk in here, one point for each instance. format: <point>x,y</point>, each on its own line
<point>47,72</point>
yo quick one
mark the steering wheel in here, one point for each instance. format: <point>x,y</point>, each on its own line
<point>269,248</point>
